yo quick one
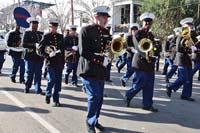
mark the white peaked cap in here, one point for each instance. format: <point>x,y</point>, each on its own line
<point>147,15</point>
<point>186,21</point>
<point>102,10</point>
<point>31,19</point>
<point>170,36</point>
<point>177,29</point>
<point>134,25</point>
<point>73,26</point>
<point>53,20</point>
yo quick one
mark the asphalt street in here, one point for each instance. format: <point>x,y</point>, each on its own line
<point>28,113</point>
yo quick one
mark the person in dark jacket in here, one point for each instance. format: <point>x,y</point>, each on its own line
<point>71,47</point>
<point>143,65</point>
<point>184,62</point>
<point>33,62</point>
<point>130,52</point>
<point>16,52</point>
<point>92,65</point>
<point>51,48</point>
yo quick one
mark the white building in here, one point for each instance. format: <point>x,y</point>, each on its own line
<point>124,12</point>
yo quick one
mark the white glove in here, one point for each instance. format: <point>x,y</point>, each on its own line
<point>133,49</point>
<point>52,54</point>
<point>106,61</point>
<point>37,45</point>
<point>193,48</point>
<point>75,48</point>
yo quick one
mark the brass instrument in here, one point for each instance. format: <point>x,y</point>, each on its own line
<point>145,46</point>
<point>118,46</point>
<point>49,49</point>
<point>187,40</point>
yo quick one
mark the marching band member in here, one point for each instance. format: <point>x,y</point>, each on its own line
<point>92,65</point>
<point>196,57</point>
<point>121,60</point>
<point>33,62</point>
<point>183,60</point>
<point>16,52</point>
<point>71,46</point>
<point>130,52</point>
<point>156,51</point>
<point>51,47</point>
<point>167,54</point>
<point>172,54</point>
<point>143,65</point>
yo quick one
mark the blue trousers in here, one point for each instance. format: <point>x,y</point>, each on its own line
<point>171,71</point>
<point>33,70</point>
<point>196,67</point>
<point>168,62</point>
<point>94,90</point>
<point>129,71</point>
<point>185,79</point>
<point>54,81</point>
<point>18,63</point>
<point>2,59</point>
<point>72,67</point>
<point>108,69</point>
<point>121,61</point>
<point>142,81</point>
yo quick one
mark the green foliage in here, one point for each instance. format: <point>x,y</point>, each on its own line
<point>169,13</point>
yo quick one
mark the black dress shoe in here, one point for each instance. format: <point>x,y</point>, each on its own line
<point>76,85</point>
<point>169,91</point>
<point>22,82</point>
<point>47,99</point>
<point>66,81</point>
<point>90,129</point>
<point>108,80</point>
<point>123,83</point>
<point>57,104</point>
<point>127,101</point>
<point>100,127</point>
<point>167,80</point>
<point>26,90</point>
<point>13,80</point>
<point>41,93</point>
<point>188,98</point>
<point>152,109</point>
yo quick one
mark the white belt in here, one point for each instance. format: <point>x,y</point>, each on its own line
<point>17,49</point>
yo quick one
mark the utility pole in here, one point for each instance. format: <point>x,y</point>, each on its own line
<point>72,10</point>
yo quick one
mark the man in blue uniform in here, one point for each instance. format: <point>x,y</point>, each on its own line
<point>196,57</point>
<point>184,62</point>
<point>143,65</point>
<point>33,62</point>
<point>52,48</point>
<point>92,65</point>
<point>130,52</point>
<point>72,55</point>
<point>16,52</point>
<point>172,55</point>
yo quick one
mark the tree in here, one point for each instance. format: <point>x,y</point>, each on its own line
<point>169,13</point>
<point>86,8</point>
<point>61,11</point>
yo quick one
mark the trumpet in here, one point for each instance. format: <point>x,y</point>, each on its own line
<point>187,40</point>
<point>145,46</point>
<point>118,46</point>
